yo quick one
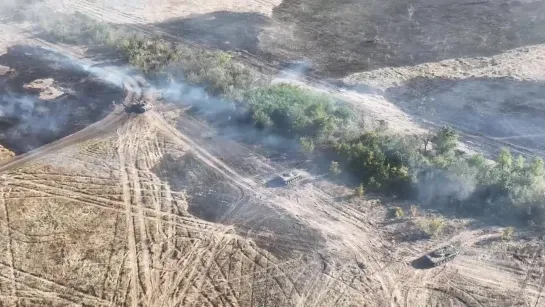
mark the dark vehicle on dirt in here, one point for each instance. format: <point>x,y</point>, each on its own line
<point>139,107</point>
<point>290,177</point>
<point>442,255</point>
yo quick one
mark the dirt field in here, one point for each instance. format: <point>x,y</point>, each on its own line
<point>161,209</point>
<point>143,214</point>
<point>337,38</point>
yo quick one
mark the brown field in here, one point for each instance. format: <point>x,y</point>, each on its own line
<point>158,209</point>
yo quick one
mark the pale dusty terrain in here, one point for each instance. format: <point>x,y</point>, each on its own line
<point>138,210</point>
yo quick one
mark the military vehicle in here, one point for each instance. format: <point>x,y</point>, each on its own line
<point>144,106</point>
<point>290,177</point>
<point>442,255</point>
<point>139,107</point>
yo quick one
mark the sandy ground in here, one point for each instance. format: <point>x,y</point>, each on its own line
<point>521,64</point>
<point>138,210</point>
<point>46,88</point>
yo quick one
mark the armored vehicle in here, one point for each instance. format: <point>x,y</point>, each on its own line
<point>442,255</point>
<point>139,107</point>
<point>290,177</point>
<point>144,106</point>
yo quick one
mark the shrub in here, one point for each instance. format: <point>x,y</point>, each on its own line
<point>80,29</point>
<point>445,140</point>
<point>507,233</point>
<point>334,168</point>
<point>376,159</point>
<point>295,112</point>
<point>307,144</point>
<point>214,70</point>
<point>360,190</point>
<point>432,227</point>
<point>397,213</point>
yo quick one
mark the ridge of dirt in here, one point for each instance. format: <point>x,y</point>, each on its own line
<point>523,63</point>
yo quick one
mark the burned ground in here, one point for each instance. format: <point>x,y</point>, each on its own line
<point>30,122</point>
<point>341,37</point>
<point>505,111</point>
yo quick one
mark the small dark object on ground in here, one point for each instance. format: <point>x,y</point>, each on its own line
<point>139,107</point>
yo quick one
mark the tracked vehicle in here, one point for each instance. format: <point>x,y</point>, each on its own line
<point>144,106</point>
<point>442,255</point>
<point>139,107</point>
<point>290,177</point>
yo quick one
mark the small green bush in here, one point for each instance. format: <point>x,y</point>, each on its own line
<point>432,227</point>
<point>397,213</point>
<point>307,144</point>
<point>359,191</point>
<point>334,168</point>
<point>507,233</point>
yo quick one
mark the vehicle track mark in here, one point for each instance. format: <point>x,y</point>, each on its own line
<point>9,252</point>
<point>129,222</point>
<point>21,274</point>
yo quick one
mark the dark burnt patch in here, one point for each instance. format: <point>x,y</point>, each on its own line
<point>29,122</point>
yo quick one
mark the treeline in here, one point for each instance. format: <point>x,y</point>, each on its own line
<point>214,70</point>
<point>427,168</point>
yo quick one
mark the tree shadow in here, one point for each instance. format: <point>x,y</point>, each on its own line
<point>29,121</point>
<point>492,112</point>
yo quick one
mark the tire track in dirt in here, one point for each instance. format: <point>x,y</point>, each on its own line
<point>43,294</point>
<point>244,183</point>
<point>131,239</point>
<point>62,290</point>
<point>9,247</point>
<point>185,222</point>
<point>134,128</point>
<point>200,152</point>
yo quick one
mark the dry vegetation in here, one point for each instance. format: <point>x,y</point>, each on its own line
<point>140,211</point>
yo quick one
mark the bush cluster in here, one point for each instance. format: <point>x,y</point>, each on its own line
<point>214,70</point>
<point>296,112</point>
<point>79,29</point>
<point>436,174</point>
<point>427,168</point>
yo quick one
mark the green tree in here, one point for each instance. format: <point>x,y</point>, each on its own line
<point>307,144</point>
<point>536,167</point>
<point>504,166</point>
<point>445,140</point>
